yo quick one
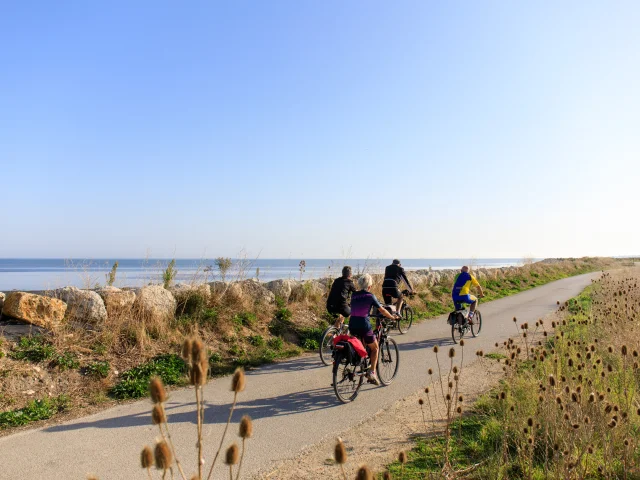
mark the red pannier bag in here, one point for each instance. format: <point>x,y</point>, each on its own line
<point>355,343</point>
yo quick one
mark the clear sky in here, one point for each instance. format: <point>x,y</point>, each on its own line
<point>310,128</point>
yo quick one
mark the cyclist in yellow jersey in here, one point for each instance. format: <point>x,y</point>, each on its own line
<point>461,288</point>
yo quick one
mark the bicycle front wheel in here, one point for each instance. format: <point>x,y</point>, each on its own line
<point>406,319</point>
<point>346,380</point>
<point>477,324</point>
<point>326,345</point>
<point>388,361</point>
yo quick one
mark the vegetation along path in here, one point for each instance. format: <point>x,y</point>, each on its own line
<point>292,404</point>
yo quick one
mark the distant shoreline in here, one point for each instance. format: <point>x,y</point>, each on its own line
<point>48,274</point>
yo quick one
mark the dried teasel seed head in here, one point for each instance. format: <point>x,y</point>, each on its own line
<point>624,350</point>
<point>197,350</point>
<point>163,456</point>
<point>460,399</point>
<point>402,457</point>
<point>455,369</point>
<point>435,349</point>
<point>232,454</point>
<point>364,473</point>
<point>430,372</point>
<point>340,453</point>
<point>156,390</point>
<point>462,342</point>
<point>530,422</point>
<point>426,390</point>
<point>386,476</point>
<point>157,414</point>
<point>187,348</point>
<point>459,409</point>
<point>238,381</point>
<point>146,457</point>
<point>246,427</point>
<point>420,401</point>
<point>452,352</point>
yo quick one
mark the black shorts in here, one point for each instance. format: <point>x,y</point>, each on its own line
<point>365,334</point>
<point>389,293</point>
<point>335,310</point>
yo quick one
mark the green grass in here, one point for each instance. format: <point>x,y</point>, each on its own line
<point>33,349</point>
<point>98,369</point>
<point>134,383</point>
<point>495,356</point>
<point>34,411</point>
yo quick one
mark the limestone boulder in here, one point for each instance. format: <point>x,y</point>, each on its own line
<point>257,292</point>
<point>84,306</point>
<point>117,301</point>
<point>155,303</point>
<point>307,290</point>
<point>39,310</point>
<point>280,288</point>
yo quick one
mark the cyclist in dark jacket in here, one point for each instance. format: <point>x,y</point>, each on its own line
<point>393,275</point>
<point>338,300</point>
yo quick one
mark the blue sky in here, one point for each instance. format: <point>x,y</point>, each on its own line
<point>300,128</point>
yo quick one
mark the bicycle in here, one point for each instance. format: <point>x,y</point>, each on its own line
<point>459,321</point>
<point>349,372</point>
<point>326,344</point>
<point>404,322</point>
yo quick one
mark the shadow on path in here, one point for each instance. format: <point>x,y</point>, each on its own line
<point>282,405</point>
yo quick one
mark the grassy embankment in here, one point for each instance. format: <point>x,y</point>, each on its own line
<point>568,407</point>
<point>92,367</point>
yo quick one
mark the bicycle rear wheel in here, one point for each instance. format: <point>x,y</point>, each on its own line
<point>388,361</point>
<point>326,345</point>
<point>406,319</point>
<point>477,323</point>
<point>458,330</point>
<point>346,379</point>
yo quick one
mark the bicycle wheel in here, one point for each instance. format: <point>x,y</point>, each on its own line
<point>346,380</point>
<point>326,345</point>
<point>388,361</point>
<point>406,319</point>
<point>477,324</point>
<point>458,330</point>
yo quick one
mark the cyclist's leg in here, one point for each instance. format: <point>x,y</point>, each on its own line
<point>473,301</point>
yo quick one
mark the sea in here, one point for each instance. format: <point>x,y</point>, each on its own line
<point>35,274</point>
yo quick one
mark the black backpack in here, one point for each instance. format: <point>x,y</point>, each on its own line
<point>349,353</point>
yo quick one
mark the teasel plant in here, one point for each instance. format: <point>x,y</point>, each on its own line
<point>163,455</point>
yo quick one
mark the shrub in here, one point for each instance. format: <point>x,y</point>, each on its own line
<point>256,340</point>
<point>192,305</point>
<point>34,411</point>
<point>310,344</point>
<point>66,361</point>
<point>34,349</point>
<point>281,321</point>
<point>134,383</point>
<point>276,343</point>
<point>169,274</point>
<point>99,369</point>
<point>246,319</point>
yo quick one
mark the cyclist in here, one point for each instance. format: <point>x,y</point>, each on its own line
<point>460,293</point>
<point>393,275</point>
<point>359,326</point>
<point>338,300</point>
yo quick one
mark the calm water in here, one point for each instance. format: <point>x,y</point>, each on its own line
<point>42,274</point>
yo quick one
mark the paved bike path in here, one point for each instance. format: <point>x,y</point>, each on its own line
<point>292,404</point>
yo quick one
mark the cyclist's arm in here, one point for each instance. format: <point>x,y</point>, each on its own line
<point>475,283</point>
<point>406,280</point>
<point>381,309</point>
